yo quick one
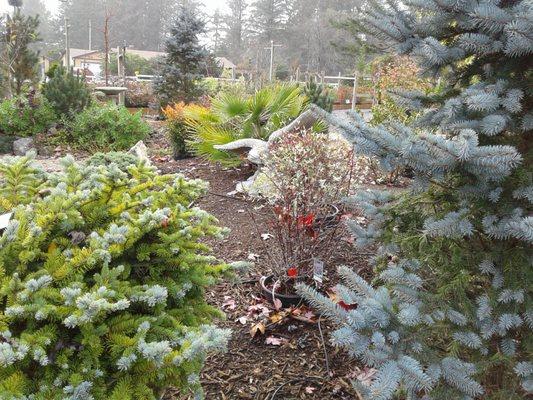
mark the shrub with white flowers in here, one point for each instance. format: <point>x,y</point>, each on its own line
<point>449,315</point>
<point>102,278</point>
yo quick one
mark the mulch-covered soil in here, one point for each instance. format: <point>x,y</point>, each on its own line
<point>292,357</point>
<point>288,360</point>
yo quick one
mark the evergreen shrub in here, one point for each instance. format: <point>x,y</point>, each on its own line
<point>66,93</point>
<point>26,115</point>
<point>106,127</point>
<point>319,95</point>
<point>177,129</point>
<point>102,280</point>
<point>449,315</point>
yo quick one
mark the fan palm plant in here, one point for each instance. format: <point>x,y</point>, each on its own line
<point>233,116</point>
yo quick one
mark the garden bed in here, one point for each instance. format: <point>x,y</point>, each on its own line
<point>253,369</point>
<point>288,360</point>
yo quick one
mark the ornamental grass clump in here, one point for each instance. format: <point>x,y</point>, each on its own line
<point>449,315</point>
<point>102,280</point>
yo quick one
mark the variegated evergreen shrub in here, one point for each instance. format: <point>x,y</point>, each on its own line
<point>102,279</point>
<point>449,314</point>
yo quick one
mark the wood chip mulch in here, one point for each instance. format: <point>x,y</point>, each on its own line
<point>288,361</point>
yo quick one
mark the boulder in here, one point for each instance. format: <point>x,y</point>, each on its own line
<point>22,146</point>
<point>140,151</point>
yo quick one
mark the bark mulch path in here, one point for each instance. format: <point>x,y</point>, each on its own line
<point>294,366</point>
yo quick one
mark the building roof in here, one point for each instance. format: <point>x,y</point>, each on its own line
<point>146,54</point>
<point>225,63</point>
<point>83,55</point>
<point>79,52</point>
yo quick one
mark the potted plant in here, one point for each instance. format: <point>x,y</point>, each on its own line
<point>304,178</point>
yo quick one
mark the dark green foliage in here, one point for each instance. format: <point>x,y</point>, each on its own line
<point>319,94</point>
<point>178,135</point>
<point>26,116</point>
<point>177,129</point>
<point>135,65</point>
<point>6,144</point>
<point>66,93</point>
<point>18,61</point>
<point>282,72</point>
<point>185,63</point>
<point>106,127</point>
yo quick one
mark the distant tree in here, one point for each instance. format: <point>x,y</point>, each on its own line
<point>139,23</point>
<point>235,23</point>
<point>185,62</point>
<point>134,65</point>
<point>15,3</point>
<point>268,18</point>
<point>212,66</point>
<point>282,72</point>
<point>215,30</point>
<point>18,60</point>
<point>47,31</point>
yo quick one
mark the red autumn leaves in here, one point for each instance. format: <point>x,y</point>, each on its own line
<point>301,222</point>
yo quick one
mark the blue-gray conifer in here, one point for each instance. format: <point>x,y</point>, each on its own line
<point>449,314</point>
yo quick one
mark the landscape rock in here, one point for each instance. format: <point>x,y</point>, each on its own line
<point>22,146</point>
<point>140,151</point>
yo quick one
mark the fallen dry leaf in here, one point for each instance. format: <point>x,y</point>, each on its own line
<point>277,317</point>
<point>229,303</point>
<point>253,256</point>
<point>309,390</point>
<point>275,341</point>
<point>257,328</point>
<point>266,236</point>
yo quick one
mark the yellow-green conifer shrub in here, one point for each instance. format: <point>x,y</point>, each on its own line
<point>102,279</point>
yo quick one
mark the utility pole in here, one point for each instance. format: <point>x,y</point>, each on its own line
<point>67,44</point>
<point>90,35</point>
<point>67,39</point>
<point>271,48</point>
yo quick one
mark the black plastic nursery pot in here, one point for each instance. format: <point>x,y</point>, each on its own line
<point>287,300</point>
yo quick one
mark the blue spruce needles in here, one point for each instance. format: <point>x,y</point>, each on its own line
<point>449,314</point>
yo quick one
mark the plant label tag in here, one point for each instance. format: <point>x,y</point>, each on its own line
<point>318,270</point>
<point>4,220</point>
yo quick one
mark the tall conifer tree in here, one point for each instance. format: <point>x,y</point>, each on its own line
<point>185,62</point>
<point>451,316</point>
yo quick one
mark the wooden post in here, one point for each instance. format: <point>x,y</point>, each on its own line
<point>298,74</point>
<point>354,93</point>
<point>339,81</point>
<point>106,47</point>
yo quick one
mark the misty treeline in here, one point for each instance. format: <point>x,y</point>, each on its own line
<point>308,32</point>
